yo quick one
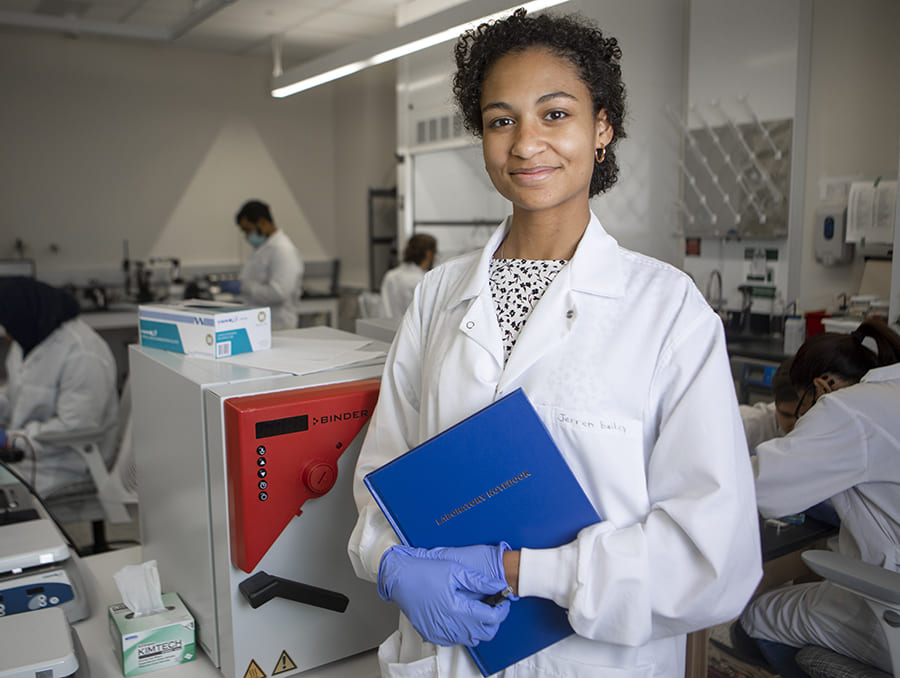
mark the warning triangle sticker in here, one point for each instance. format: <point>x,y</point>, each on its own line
<point>254,671</point>
<point>285,663</point>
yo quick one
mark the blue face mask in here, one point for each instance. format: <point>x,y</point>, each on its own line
<point>255,239</point>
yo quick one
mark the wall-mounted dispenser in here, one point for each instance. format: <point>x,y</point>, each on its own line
<point>831,227</point>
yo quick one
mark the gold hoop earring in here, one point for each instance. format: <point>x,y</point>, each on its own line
<point>600,154</point>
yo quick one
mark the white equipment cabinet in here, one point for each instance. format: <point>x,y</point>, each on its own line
<point>245,482</point>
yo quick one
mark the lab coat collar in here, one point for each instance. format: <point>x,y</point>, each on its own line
<point>886,373</point>
<point>595,268</point>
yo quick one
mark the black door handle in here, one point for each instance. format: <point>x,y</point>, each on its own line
<point>262,587</point>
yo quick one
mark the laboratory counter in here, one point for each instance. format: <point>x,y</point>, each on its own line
<point>782,546</point>
<point>766,347</point>
<point>94,635</point>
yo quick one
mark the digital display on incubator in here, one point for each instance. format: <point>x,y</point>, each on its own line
<point>277,427</point>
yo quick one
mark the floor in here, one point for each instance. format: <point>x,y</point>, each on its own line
<point>722,664</point>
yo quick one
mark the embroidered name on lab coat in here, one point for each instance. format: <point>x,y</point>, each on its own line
<point>591,425</point>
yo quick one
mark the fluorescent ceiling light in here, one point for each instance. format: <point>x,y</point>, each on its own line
<point>397,43</point>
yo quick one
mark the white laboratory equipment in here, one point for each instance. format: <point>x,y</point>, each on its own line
<point>41,644</point>
<point>38,568</point>
<point>245,483</point>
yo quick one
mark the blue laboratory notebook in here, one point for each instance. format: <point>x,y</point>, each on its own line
<point>495,476</point>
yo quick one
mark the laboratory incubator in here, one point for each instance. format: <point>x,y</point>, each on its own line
<point>245,480</point>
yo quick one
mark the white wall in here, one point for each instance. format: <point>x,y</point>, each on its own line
<point>364,143</point>
<point>854,122</point>
<point>639,211</point>
<point>104,141</point>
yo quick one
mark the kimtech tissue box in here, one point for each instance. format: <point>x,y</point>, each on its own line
<point>153,641</point>
<point>210,329</point>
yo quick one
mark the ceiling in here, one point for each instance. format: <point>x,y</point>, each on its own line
<point>305,29</point>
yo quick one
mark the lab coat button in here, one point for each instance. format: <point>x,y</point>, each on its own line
<point>570,313</point>
<point>470,325</point>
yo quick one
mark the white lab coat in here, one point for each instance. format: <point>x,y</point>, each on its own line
<point>626,364</point>
<point>760,423</point>
<point>272,276</point>
<point>66,384</point>
<point>397,288</point>
<point>846,448</point>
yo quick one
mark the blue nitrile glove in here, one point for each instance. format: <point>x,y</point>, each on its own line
<point>230,286</point>
<point>4,438</point>
<point>482,558</point>
<point>441,598</point>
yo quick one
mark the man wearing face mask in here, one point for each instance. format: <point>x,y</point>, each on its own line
<point>273,273</point>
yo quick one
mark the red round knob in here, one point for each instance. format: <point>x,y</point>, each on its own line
<point>320,477</point>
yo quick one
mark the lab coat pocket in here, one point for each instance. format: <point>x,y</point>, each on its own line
<point>552,665</point>
<point>391,654</point>
<point>605,452</point>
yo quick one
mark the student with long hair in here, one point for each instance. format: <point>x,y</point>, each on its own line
<point>845,447</point>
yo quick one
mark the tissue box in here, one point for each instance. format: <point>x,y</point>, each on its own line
<point>210,329</point>
<point>155,641</point>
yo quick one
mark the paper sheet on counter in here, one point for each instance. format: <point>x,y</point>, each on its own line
<point>307,356</point>
<point>870,212</point>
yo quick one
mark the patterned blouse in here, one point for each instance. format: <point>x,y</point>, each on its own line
<point>516,286</point>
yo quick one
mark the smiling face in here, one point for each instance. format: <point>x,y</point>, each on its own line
<point>540,133</point>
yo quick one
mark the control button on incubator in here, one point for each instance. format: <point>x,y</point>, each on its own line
<point>261,450</point>
<point>263,496</point>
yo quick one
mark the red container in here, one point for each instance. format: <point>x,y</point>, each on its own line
<point>814,322</point>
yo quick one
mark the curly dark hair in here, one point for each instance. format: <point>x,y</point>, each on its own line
<point>595,57</point>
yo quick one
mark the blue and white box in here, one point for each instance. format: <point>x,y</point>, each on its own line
<point>211,329</point>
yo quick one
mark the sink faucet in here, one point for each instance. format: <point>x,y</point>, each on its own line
<point>746,305</point>
<point>715,301</point>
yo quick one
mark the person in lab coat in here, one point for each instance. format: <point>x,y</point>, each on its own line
<point>844,447</point>
<point>621,356</point>
<point>273,273</point>
<point>398,284</point>
<point>61,381</point>
<point>764,421</point>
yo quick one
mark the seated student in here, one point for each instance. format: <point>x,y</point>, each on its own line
<point>764,421</point>
<point>845,447</point>
<point>399,283</point>
<point>61,380</point>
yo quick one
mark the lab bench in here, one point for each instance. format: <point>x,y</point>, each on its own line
<point>754,359</point>
<point>93,632</point>
<point>781,547</point>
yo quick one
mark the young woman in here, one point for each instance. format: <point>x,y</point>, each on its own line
<point>61,380</point>
<point>622,358</point>
<point>845,447</point>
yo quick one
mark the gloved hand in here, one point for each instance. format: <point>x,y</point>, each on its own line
<point>230,286</point>
<point>482,558</point>
<point>441,598</point>
<point>4,437</point>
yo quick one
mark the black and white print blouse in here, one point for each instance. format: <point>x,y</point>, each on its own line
<point>516,286</point>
